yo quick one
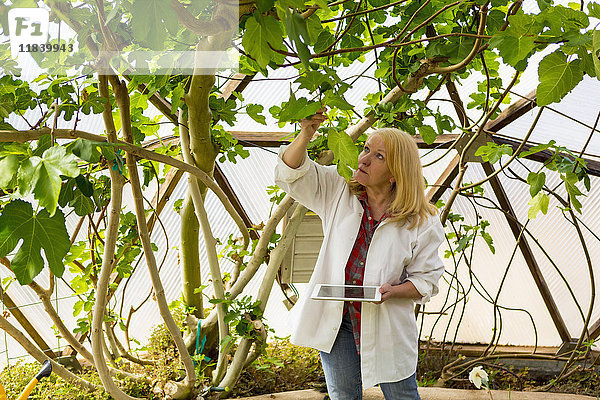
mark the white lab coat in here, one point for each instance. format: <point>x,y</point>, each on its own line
<point>389,342</point>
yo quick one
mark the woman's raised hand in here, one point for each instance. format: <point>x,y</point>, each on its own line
<point>308,126</point>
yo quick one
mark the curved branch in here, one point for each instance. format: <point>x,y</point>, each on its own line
<point>110,331</point>
<point>474,50</point>
<point>210,244</point>
<point>122,98</point>
<point>68,336</point>
<point>258,256</point>
<point>462,164</point>
<point>111,234</point>
<point>35,134</point>
<point>427,21</point>
<point>362,12</point>
<point>41,357</point>
<point>217,25</point>
<point>97,334</point>
<point>515,155</point>
<point>348,26</point>
<point>275,259</point>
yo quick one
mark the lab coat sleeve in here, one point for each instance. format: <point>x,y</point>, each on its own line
<point>426,267</point>
<point>312,185</point>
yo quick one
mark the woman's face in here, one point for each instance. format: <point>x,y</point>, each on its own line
<point>373,171</point>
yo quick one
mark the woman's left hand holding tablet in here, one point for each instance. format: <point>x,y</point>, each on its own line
<point>386,292</point>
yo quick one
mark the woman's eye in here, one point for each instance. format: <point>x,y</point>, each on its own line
<point>366,149</point>
<point>380,156</point>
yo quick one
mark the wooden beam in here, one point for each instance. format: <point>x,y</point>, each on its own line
<point>237,84</point>
<point>594,330</point>
<point>457,103</point>
<point>163,195</point>
<point>12,307</point>
<point>224,184</point>
<point>534,268</point>
<point>593,166</point>
<point>444,181</point>
<point>263,139</point>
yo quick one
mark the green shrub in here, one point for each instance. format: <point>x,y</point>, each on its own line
<point>283,367</point>
<point>15,377</point>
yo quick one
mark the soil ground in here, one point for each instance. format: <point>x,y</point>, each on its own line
<point>431,393</point>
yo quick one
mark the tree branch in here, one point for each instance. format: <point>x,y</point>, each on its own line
<point>217,25</point>
<point>111,234</point>
<point>122,98</point>
<point>474,50</point>
<point>213,260</point>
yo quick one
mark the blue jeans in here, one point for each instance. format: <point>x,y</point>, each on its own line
<point>342,372</point>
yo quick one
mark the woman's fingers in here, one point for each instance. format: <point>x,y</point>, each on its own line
<point>312,123</point>
<point>386,292</point>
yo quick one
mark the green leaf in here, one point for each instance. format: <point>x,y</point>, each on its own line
<point>5,107</point>
<point>265,5</point>
<point>77,194</point>
<point>261,34</point>
<point>536,182</point>
<point>543,4</point>
<point>177,98</point>
<point>42,175</point>
<point>156,14</point>
<point>18,224</point>
<point>596,51</point>
<point>557,77</point>
<point>344,150</point>
<point>538,203</point>
<point>492,152</point>
<point>139,100</point>
<point>324,40</point>
<point>78,307</point>
<point>311,80</point>
<point>427,133</point>
<point>594,10</point>
<point>43,144</point>
<point>85,150</point>
<point>563,20</point>
<point>516,42</point>
<point>336,100</point>
<point>537,149</point>
<point>512,49</point>
<point>490,242</point>
<point>297,109</point>
<point>495,20</point>
<point>297,31</point>
<point>9,166</point>
<point>571,180</point>
<point>254,111</point>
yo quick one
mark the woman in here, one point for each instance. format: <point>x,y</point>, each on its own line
<point>379,230</point>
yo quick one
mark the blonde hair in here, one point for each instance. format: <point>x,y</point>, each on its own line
<point>408,203</point>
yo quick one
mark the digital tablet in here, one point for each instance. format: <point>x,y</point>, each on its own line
<point>346,292</point>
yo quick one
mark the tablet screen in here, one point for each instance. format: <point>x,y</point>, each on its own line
<point>351,292</point>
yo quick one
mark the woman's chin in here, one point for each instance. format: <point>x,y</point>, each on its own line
<point>359,177</point>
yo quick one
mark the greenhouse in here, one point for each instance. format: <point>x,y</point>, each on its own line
<point>177,178</point>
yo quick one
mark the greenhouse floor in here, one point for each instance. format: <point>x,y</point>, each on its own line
<point>431,393</point>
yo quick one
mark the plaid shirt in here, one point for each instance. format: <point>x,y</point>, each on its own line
<point>355,267</point>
